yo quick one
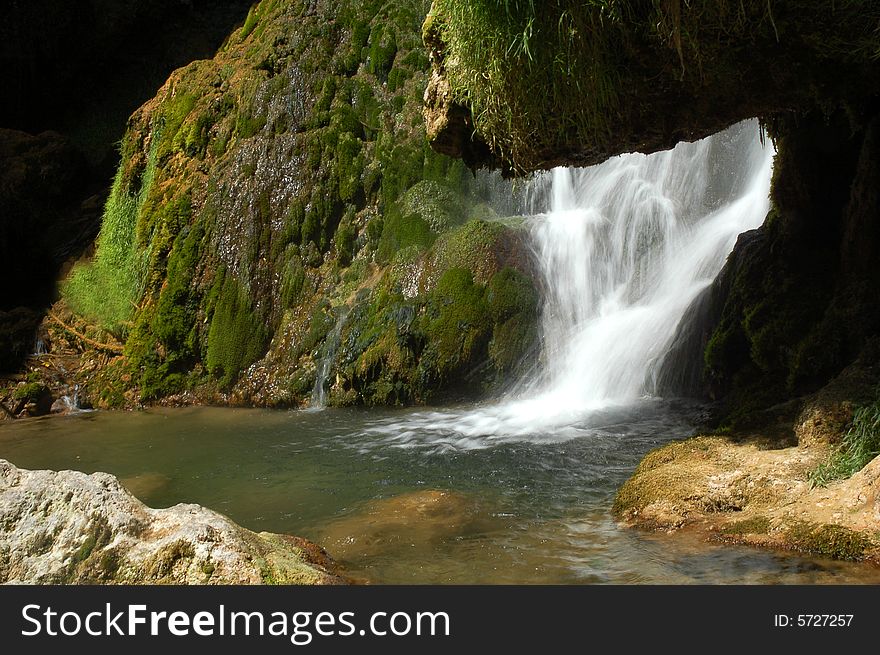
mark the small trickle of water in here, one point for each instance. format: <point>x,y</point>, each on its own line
<point>331,345</point>
<point>40,347</point>
<point>70,402</point>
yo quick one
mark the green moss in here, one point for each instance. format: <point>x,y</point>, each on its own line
<point>382,46</point>
<point>320,324</point>
<point>108,288</point>
<point>250,22</point>
<point>471,246</point>
<point>162,564</point>
<point>345,242</point>
<point>293,277</point>
<point>829,540</point>
<point>237,337</point>
<point>107,387</point>
<point>513,305</point>
<point>401,231</point>
<point>30,392</point>
<point>97,536</point>
<point>753,525</point>
<point>458,324</point>
<point>171,137</point>
<point>208,568</point>
<point>439,205</point>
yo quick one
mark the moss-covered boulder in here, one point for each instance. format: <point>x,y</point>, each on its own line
<point>277,198</point>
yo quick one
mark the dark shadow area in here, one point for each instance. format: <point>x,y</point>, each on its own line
<point>72,75</point>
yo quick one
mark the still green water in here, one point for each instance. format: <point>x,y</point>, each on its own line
<point>403,497</point>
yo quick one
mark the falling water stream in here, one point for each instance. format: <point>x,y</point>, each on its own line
<point>517,490</point>
<point>624,248</point>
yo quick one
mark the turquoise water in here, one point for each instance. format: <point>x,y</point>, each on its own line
<point>400,497</point>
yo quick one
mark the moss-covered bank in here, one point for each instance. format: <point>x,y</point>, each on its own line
<point>525,85</point>
<point>279,207</point>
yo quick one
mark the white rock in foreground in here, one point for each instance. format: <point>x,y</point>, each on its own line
<point>69,527</point>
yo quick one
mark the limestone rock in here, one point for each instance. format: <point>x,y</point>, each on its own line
<point>70,527</point>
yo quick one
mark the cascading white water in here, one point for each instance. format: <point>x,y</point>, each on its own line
<point>624,247</point>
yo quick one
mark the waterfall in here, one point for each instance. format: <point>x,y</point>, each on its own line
<point>624,248</point>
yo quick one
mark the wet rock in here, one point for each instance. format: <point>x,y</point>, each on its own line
<point>741,492</point>
<point>412,520</point>
<point>61,406</point>
<point>69,527</point>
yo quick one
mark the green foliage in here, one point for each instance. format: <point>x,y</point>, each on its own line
<point>108,289</point>
<point>30,392</point>
<point>859,446</point>
<point>237,337</point>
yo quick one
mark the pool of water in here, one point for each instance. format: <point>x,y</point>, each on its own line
<point>407,497</point>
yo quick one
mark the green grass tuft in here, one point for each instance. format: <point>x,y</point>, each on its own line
<point>860,445</point>
<point>108,289</point>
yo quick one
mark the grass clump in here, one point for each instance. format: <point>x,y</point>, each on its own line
<point>512,59</point>
<point>108,289</point>
<point>860,445</point>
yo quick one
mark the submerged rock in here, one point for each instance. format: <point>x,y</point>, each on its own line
<point>417,520</point>
<point>69,527</point>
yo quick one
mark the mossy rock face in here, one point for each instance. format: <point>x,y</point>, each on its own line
<point>792,303</point>
<point>427,334</point>
<point>527,85</point>
<point>262,191</point>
